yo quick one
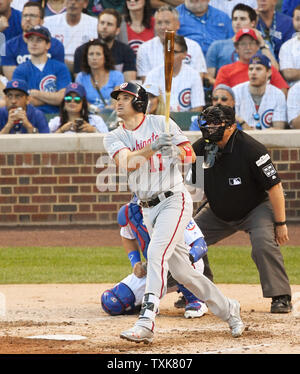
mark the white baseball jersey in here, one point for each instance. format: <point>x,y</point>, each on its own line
<point>289,54</point>
<point>157,175</point>
<point>151,54</point>
<point>228,5</point>
<point>272,107</point>
<point>72,36</point>
<point>293,102</point>
<point>186,90</point>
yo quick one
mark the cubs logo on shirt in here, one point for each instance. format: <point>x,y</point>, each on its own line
<point>184,97</point>
<point>48,83</point>
<point>266,118</point>
<point>134,44</point>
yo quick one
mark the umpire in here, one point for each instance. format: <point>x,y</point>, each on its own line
<point>244,193</point>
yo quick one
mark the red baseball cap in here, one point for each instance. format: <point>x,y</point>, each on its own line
<point>243,32</point>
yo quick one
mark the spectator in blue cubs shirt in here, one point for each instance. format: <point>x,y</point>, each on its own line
<point>275,27</point>
<point>10,20</point>
<point>19,117</point>
<point>203,23</point>
<point>46,77</point>
<point>288,6</point>
<point>16,49</point>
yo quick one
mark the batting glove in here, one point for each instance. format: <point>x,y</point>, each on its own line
<point>164,139</point>
<point>171,151</point>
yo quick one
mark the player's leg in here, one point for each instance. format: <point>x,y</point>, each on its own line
<point>226,309</point>
<point>213,230</point>
<point>268,258</point>
<point>166,224</point>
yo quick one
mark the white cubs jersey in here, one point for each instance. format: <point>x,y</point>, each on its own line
<point>159,174</point>
<point>289,54</point>
<point>186,90</point>
<point>293,107</point>
<point>137,286</point>
<point>72,36</point>
<point>271,109</point>
<point>151,54</point>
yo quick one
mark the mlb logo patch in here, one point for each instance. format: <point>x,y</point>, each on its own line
<point>269,170</point>
<point>235,181</point>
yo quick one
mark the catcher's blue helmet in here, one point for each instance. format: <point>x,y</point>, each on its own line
<point>118,300</point>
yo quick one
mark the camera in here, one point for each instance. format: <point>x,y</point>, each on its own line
<point>78,124</point>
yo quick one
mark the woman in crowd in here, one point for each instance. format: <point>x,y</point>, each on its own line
<point>98,75</point>
<point>138,24</point>
<point>74,115</point>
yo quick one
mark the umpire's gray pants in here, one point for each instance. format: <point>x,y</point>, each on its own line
<point>265,251</point>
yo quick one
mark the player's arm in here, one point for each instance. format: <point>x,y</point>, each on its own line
<point>187,154</point>
<point>295,123</point>
<point>277,200</point>
<point>51,98</point>
<point>133,160</point>
<point>291,74</point>
<point>278,125</point>
<point>8,71</point>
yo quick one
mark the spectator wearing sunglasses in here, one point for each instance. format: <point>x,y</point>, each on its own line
<point>74,116</point>
<point>187,92</point>
<point>222,95</point>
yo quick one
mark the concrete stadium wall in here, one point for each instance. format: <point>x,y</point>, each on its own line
<point>51,179</point>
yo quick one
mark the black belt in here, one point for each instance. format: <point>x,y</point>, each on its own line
<point>153,202</point>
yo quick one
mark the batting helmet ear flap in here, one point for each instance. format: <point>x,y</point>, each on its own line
<point>140,96</point>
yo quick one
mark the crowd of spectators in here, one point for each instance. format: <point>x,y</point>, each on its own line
<point>61,59</point>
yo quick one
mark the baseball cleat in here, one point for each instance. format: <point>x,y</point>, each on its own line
<point>180,303</point>
<point>235,323</point>
<point>195,309</point>
<point>138,334</point>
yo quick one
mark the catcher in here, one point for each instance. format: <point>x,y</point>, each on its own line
<point>126,296</point>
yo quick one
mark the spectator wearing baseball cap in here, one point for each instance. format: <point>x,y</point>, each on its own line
<point>247,45</point>
<point>221,95</point>
<point>74,114</point>
<point>16,51</point>
<point>261,105</point>
<point>46,78</point>
<point>17,116</point>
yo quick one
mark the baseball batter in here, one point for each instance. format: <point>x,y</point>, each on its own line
<point>126,296</point>
<point>150,155</point>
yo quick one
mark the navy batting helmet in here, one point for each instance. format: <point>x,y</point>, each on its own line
<point>118,300</point>
<point>140,100</point>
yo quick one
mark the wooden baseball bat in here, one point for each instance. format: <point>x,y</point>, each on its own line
<point>169,62</point>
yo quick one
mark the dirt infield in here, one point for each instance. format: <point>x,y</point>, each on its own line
<point>75,309</point>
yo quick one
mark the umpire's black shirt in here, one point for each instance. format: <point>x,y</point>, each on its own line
<point>238,181</point>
